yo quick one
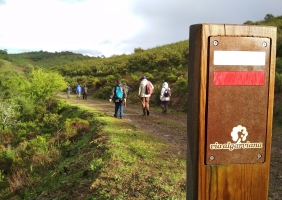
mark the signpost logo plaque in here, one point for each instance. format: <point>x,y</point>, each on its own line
<point>239,135</point>
<point>237,100</point>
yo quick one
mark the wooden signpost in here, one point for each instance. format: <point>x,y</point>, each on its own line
<point>230,105</point>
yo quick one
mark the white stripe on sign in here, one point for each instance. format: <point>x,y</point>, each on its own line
<point>239,58</point>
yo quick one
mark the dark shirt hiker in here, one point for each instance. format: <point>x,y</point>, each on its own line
<point>118,100</point>
<point>85,92</point>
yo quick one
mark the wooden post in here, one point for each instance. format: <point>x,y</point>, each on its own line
<point>230,106</point>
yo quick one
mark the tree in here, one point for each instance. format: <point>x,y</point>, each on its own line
<point>138,50</point>
<point>249,22</point>
<point>268,17</point>
<point>3,51</point>
<point>45,84</point>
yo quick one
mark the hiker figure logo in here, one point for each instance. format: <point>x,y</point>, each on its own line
<point>239,136</point>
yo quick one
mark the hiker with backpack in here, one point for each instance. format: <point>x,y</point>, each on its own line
<point>165,97</point>
<point>118,96</point>
<point>146,89</point>
<point>78,90</point>
<point>85,92</point>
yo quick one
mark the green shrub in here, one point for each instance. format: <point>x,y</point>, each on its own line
<point>181,86</point>
<point>2,175</point>
<point>279,65</point>
<point>7,159</point>
<point>277,113</point>
<point>75,127</point>
<point>105,92</point>
<point>171,78</point>
<point>6,137</point>
<point>278,82</point>
<point>149,76</point>
<point>39,144</point>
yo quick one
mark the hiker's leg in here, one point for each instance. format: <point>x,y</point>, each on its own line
<point>121,114</point>
<point>162,106</point>
<point>143,103</point>
<point>147,105</point>
<point>165,106</point>
<point>116,109</point>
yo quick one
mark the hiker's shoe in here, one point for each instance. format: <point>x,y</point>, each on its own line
<point>148,112</point>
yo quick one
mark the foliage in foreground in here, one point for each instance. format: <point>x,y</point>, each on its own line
<point>88,155</point>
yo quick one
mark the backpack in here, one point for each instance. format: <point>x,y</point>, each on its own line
<point>118,92</point>
<point>149,88</point>
<point>125,89</point>
<point>167,93</point>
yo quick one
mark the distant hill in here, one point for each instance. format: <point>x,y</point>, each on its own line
<point>6,66</point>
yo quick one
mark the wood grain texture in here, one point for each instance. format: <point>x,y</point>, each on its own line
<point>226,182</point>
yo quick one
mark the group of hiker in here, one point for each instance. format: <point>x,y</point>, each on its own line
<point>146,88</point>
<point>120,91</point>
<point>78,90</point>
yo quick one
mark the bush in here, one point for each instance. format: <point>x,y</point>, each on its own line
<point>277,113</point>
<point>279,65</point>
<point>74,128</point>
<point>105,92</point>
<point>6,159</point>
<point>278,82</point>
<point>181,86</point>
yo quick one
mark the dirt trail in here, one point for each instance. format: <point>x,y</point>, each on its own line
<point>171,128</point>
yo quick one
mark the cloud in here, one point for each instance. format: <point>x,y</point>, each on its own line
<point>169,21</point>
<point>107,27</point>
<point>54,25</point>
<point>2,2</point>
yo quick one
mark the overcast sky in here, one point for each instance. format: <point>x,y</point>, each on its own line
<point>114,27</point>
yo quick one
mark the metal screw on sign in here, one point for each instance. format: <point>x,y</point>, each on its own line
<point>215,43</point>
<point>259,156</point>
<point>211,157</point>
<point>264,44</point>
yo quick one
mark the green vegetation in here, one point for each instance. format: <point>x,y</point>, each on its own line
<point>101,156</point>
<point>164,63</point>
<point>271,20</point>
